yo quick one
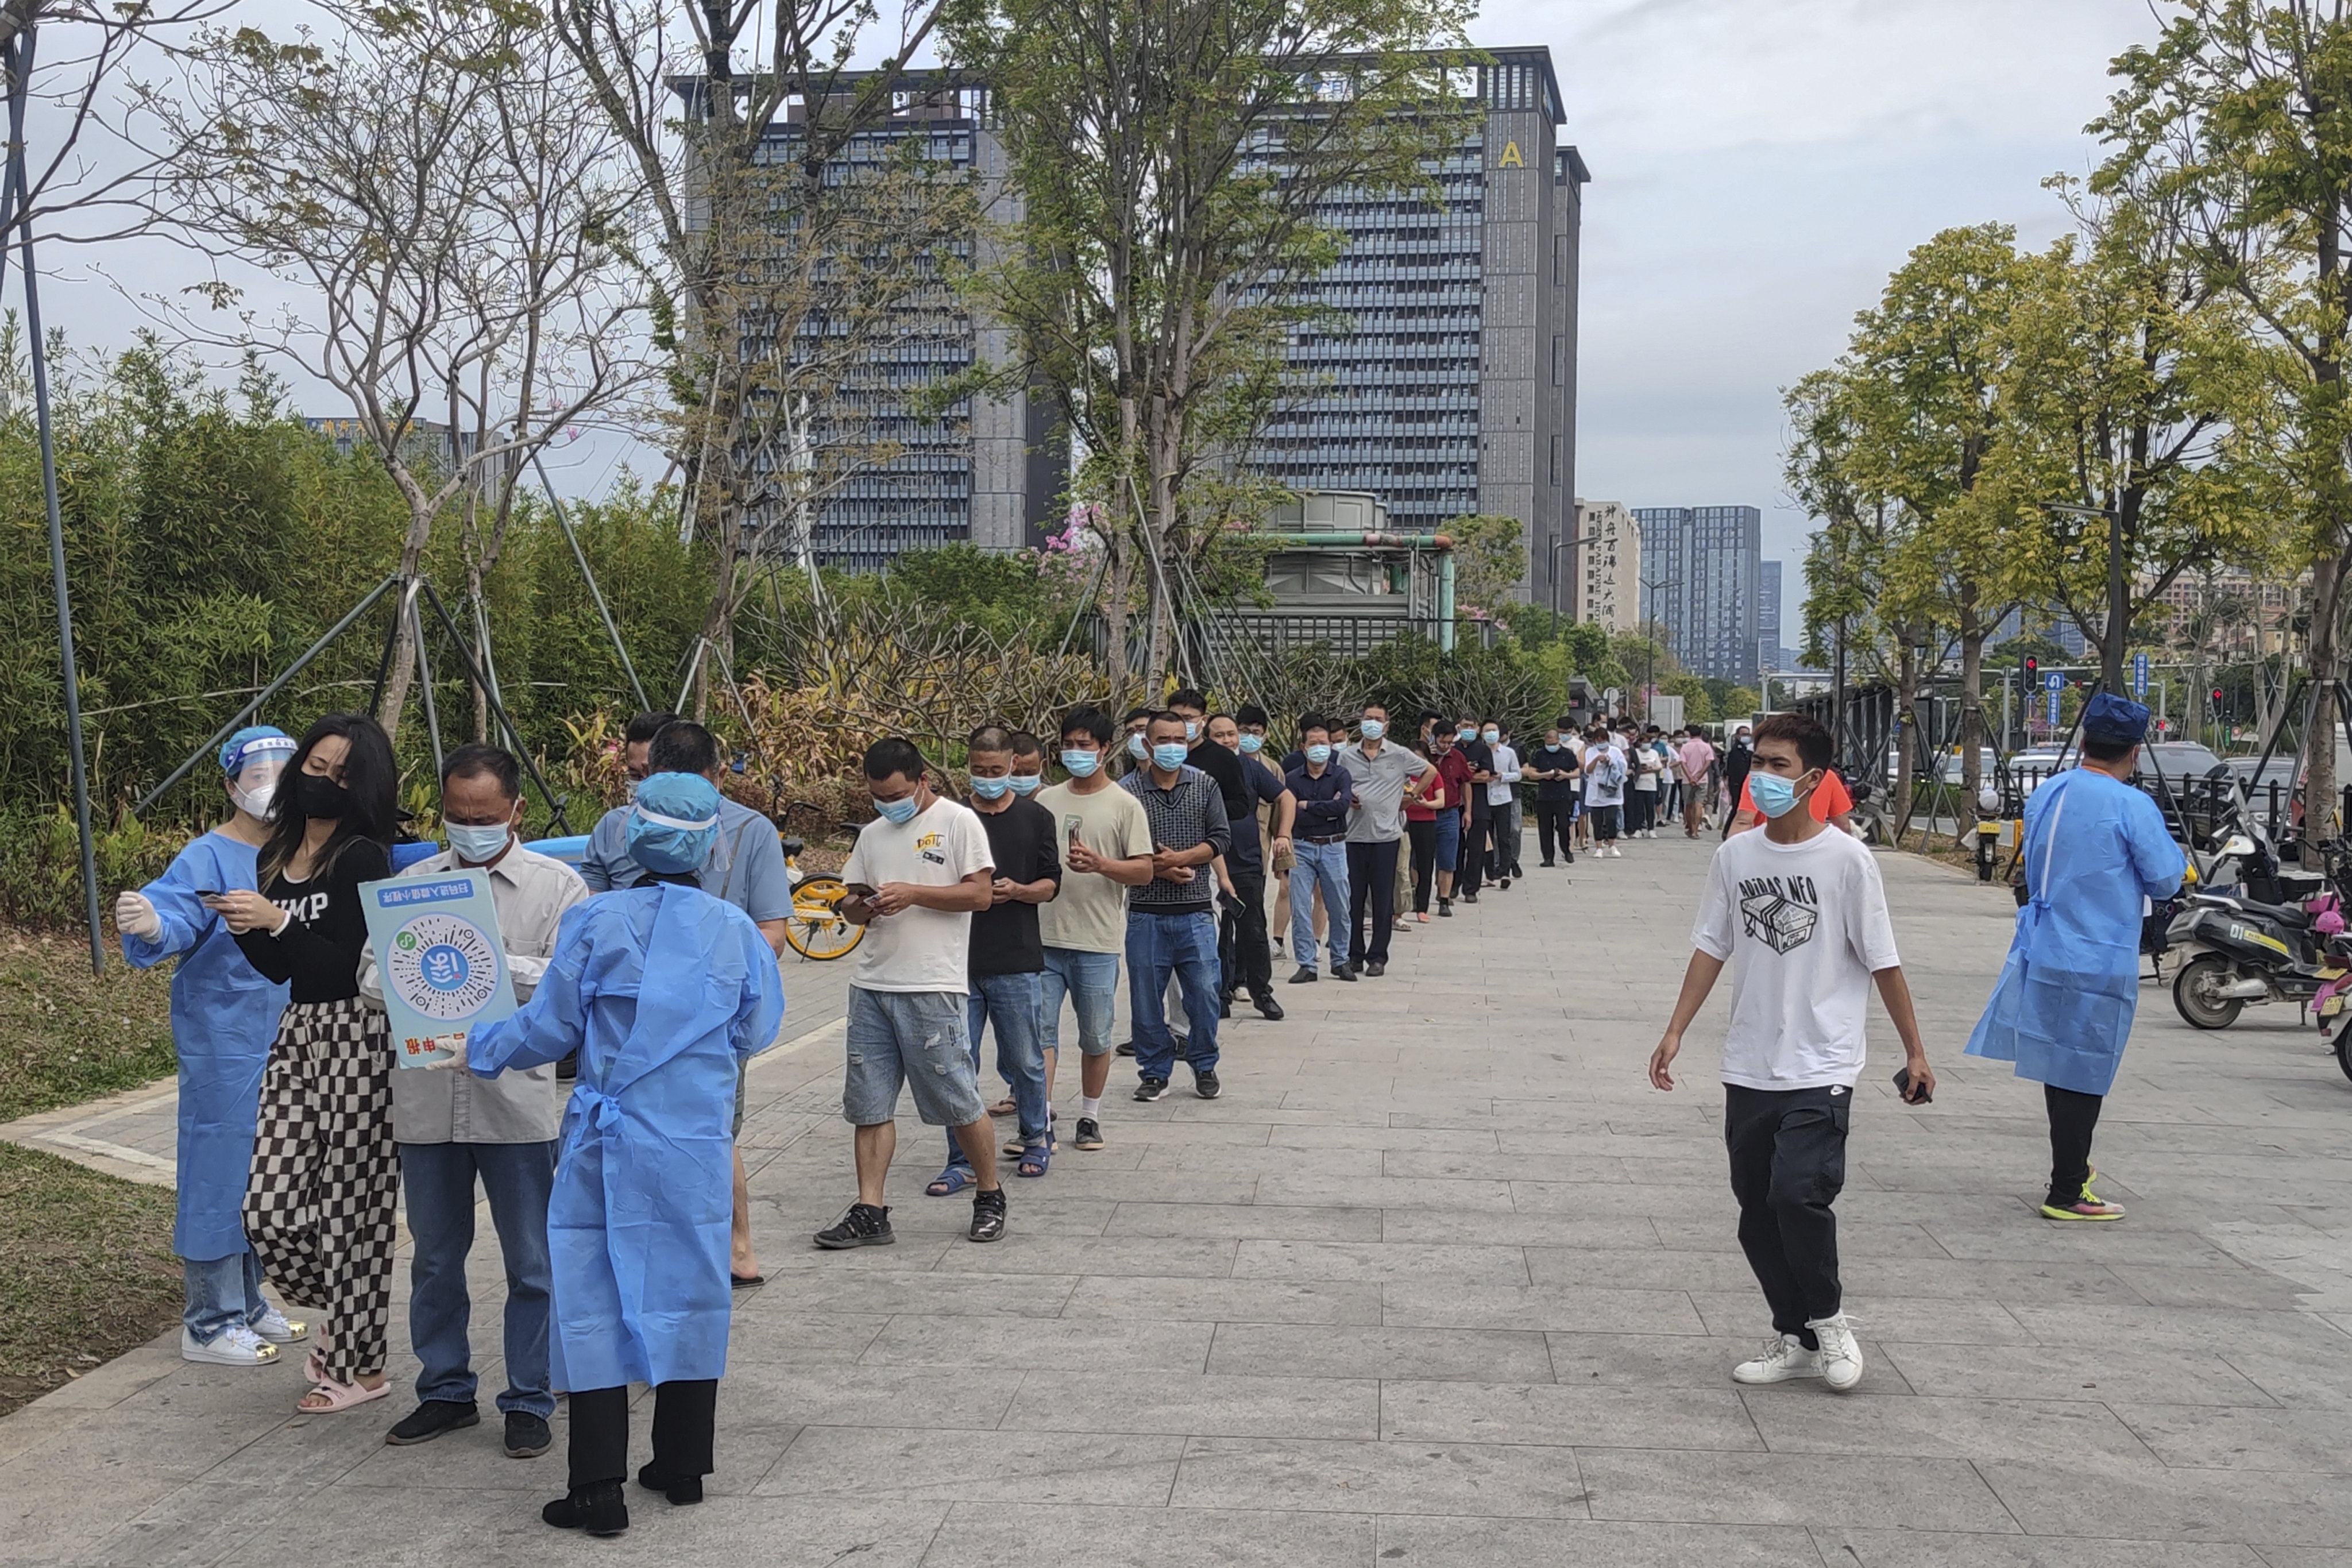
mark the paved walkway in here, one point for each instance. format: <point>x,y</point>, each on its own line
<point>1438,1281</point>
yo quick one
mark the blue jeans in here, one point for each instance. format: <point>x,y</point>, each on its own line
<point>1090,980</point>
<point>1186,945</point>
<point>518,1179</point>
<point>221,1293</point>
<point>1013,1001</point>
<point>1311,864</point>
<point>1449,838</point>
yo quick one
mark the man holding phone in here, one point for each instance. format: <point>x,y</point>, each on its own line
<point>1805,912</point>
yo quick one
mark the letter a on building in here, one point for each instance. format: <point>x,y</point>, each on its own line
<point>1511,159</point>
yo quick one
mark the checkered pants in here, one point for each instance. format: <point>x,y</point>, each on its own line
<point>318,1204</point>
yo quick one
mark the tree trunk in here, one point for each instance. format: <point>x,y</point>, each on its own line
<point>1972,721</point>
<point>1906,743</point>
<point>404,637</point>
<point>2319,802</point>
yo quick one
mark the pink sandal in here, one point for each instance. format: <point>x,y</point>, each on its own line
<point>341,1396</point>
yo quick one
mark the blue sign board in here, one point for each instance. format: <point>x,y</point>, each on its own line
<point>441,958</point>
<point>2139,675</point>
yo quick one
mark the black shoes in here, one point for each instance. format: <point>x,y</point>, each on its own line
<point>1151,1089</point>
<point>864,1225</point>
<point>1375,968</point>
<point>527,1435</point>
<point>681,1491</point>
<point>1206,1086</point>
<point>1445,909</point>
<point>1503,885</point>
<point>1345,971</point>
<point>1305,976</point>
<point>1125,1049</point>
<point>1267,1008</point>
<point>599,1509</point>
<point>432,1418</point>
<point>1547,865</point>
<point>1089,1135</point>
<point>988,1214</point>
<point>1470,898</point>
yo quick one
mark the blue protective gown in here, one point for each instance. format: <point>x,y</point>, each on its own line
<point>224,1016</point>
<point>660,989</point>
<point>2061,1010</point>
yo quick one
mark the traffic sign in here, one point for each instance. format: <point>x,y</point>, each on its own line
<point>2053,682</point>
<point>2139,675</point>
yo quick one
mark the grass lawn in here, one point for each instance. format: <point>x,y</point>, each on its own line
<point>86,1270</point>
<point>66,1037</point>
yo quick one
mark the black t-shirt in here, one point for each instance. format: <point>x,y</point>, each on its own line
<point>319,953</point>
<point>1481,761</point>
<point>1241,812</point>
<point>1021,841</point>
<point>1225,768</point>
<point>1737,761</point>
<point>1554,760</point>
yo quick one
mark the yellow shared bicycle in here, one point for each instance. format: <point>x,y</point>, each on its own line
<point>816,929</point>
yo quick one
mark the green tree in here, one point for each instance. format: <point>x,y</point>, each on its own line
<point>1490,557</point>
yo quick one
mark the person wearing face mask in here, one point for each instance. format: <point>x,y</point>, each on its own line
<point>1502,805</point>
<point>1134,751</point>
<point>321,1196</point>
<point>1694,765</point>
<point>1802,913</point>
<point>1322,788</point>
<point>1554,767</point>
<point>1105,842</point>
<point>1170,931</point>
<point>1739,757</point>
<point>454,1129</point>
<point>1384,778</point>
<point>1245,958</point>
<point>223,1015</point>
<point>1829,801</point>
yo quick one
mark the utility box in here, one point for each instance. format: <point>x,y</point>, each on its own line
<point>1666,712</point>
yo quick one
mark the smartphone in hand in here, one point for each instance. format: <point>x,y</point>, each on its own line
<point>1903,1087</point>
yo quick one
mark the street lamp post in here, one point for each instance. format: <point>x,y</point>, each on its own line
<point>1650,587</point>
<point>2111,650</point>
<point>1559,544</point>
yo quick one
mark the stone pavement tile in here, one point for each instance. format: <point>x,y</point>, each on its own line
<point>127,1374</point>
<point>1491,1479</point>
<point>854,1394</point>
<point>769,1327</point>
<point>1393,1193</point>
<point>1173,1161</point>
<point>1274,1349</point>
<point>1191,1405</point>
<point>924,1230</point>
<point>2110,1498</point>
<point>914,1341</point>
<point>1912,1320</point>
<point>1790,1489</point>
<point>1463,1264</point>
<point>1928,1549</point>
<point>1620,1234</point>
<point>346,1524</point>
<point>2297,1382</point>
<point>1023,1252</point>
<point>964,1295</point>
<point>1880,1274</point>
<point>2035,1240</point>
<point>922,1220</point>
<point>2077,1370</point>
<point>2190,1327</point>
<point>1501,1167</point>
<point>2307,1557</point>
<point>1858,1237</point>
<point>1294,1222</point>
<point>1670,1360</point>
<point>1430,1303</point>
<point>1632,1269</point>
<point>1413,1541</point>
<point>2234,1286</point>
<point>1428,1139</point>
<point>1140,1187</point>
<point>1192,1130</point>
<point>2205,1437</point>
<point>36,1425</point>
<point>1543,1413</point>
<point>1226,1300</point>
<point>1806,1418</point>
<point>878,1462</point>
<point>991,1535</point>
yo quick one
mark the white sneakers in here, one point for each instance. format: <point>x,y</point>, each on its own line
<point>240,1346</point>
<point>281,1330</point>
<point>1838,1363</point>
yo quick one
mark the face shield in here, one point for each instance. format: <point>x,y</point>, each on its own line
<point>252,760</point>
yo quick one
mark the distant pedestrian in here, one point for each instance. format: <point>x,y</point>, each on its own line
<point>1555,768</point>
<point>1169,929</point>
<point>1695,761</point>
<point>1322,788</point>
<point>1604,791</point>
<point>1385,777</point>
<point>1502,805</point>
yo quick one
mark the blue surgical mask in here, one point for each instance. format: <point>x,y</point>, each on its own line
<point>1318,754</point>
<point>1026,783</point>
<point>897,810</point>
<point>1465,736</point>
<point>991,789</point>
<point>1491,736</point>
<point>1080,765</point>
<point>477,845</point>
<point>1371,728</point>
<point>1136,748</point>
<point>1774,795</point>
<point>1253,744</point>
<point>1169,755</point>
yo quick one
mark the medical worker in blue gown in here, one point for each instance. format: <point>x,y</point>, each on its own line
<point>660,988</point>
<point>224,1016</point>
<point>2096,850</point>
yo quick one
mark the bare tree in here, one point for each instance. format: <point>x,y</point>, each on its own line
<point>436,180</point>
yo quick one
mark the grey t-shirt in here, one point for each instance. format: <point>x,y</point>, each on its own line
<point>1379,782</point>
<point>746,867</point>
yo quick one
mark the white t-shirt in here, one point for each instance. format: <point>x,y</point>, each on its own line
<point>1650,767</point>
<point>1805,927</point>
<point>919,949</point>
<point>1595,792</point>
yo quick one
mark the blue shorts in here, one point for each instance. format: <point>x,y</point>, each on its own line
<point>915,1040</point>
<point>1449,838</point>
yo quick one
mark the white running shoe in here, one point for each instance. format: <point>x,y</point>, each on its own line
<point>238,1346</point>
<point>1785,1357</point>
<point>281,1330</point>
<point>1841,1353</point>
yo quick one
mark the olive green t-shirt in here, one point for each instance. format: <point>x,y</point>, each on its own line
<point>1090,914</point>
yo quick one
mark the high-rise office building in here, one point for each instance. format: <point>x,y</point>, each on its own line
<point>1449,385</point>
<point>1769,655</point>
<point>989,469</point>
<point>1608,566</point>
<point>1700,580</point>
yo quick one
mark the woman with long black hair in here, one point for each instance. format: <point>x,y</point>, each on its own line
<point>319,1203</point>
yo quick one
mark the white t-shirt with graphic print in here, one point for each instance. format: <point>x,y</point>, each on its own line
<point>1804,927</point>
<point>919,949</point>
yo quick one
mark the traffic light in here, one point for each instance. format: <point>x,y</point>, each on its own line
<point>2217,698</point>
<point>2032,669</point>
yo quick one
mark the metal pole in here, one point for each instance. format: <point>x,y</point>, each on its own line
<point>20,73</point>
<point>580,556</point>
<point>2111,660</point>
<point>424,682</point>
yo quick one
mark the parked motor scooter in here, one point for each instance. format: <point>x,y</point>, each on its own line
<point>2252,950</point>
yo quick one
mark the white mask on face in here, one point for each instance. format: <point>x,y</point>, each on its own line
<point>254,789</point>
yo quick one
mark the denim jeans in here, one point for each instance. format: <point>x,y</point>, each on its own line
<point>1090,980</point>
<point>1311,864</point>
<point>1013,1002</point>
<point>221,1293</point>
<point>1186,946</point>
<point>518,1179</point>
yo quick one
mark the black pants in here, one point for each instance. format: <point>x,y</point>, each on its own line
<point>1242,955</point>
<point>1552,819</point>
<point>1423,835</point>
<point>1477,828</point>
<point>684,1413</point>
<point>1788,1166</point>
<point>1371,883</point>
<point>1604,821</point>
<point>2073,1116</point>
<point>1640,810</point>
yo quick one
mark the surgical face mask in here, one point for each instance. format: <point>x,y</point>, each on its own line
<point>991,789</point>
<point>1169,755</point>
<point>322,797</point>
<point>1192,729</point>
<point>260,803</point>
<point>1491,736</point>
<point>1080,765</point>
<point>1371,728</point>
<point>1253,744</point>
<point>1318,754</point>
<point>1774,796</point>
<point>1026,783</point>
<point>897,810</point>
<point>1136,747</point>
<point>1465,736</point>
<point>475,845</point>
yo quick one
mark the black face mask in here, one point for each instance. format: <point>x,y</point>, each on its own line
<point>322,797</point>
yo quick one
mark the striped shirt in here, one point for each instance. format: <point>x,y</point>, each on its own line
<point>1187,812</point>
